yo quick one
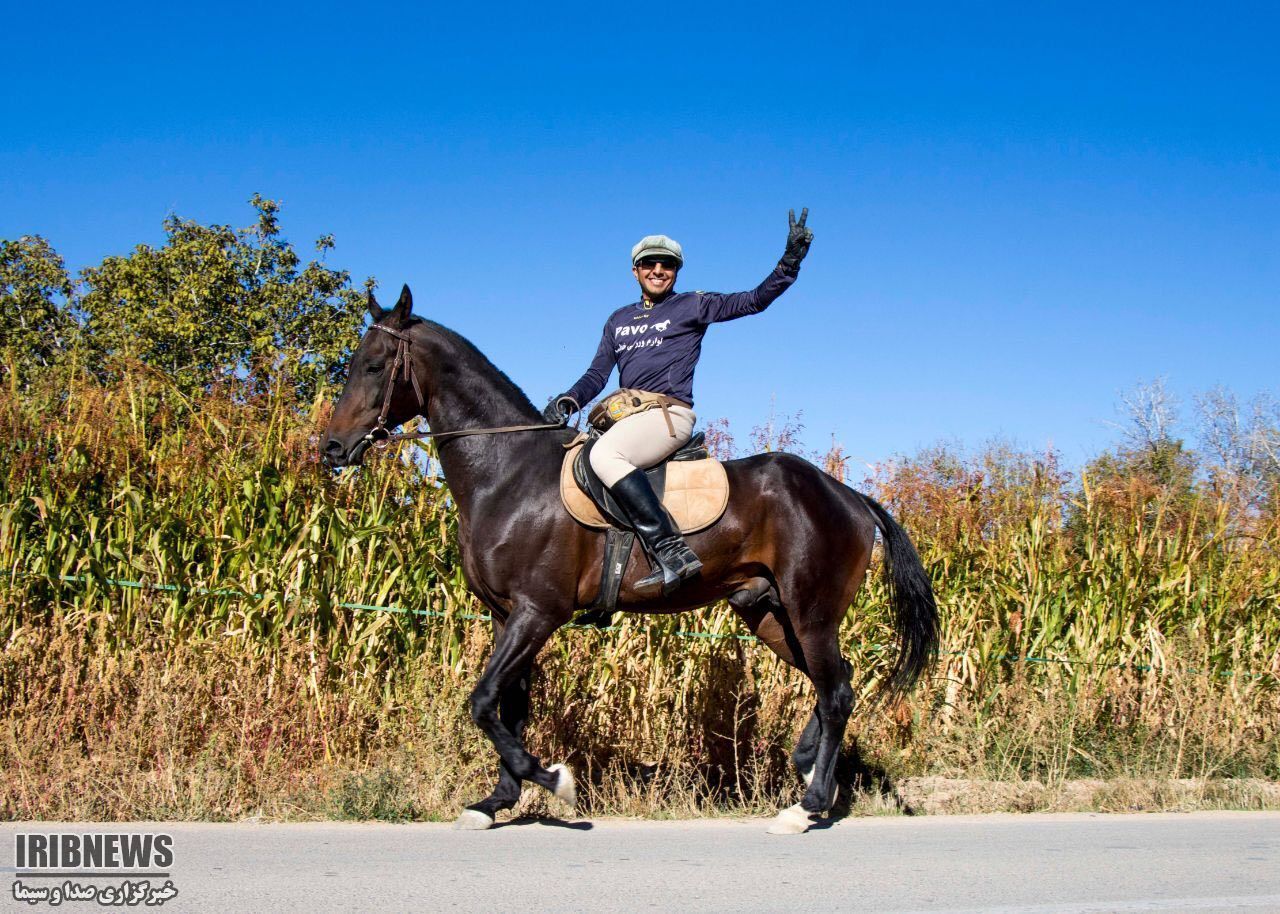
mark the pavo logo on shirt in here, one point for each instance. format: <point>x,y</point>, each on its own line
<point>642,329</point>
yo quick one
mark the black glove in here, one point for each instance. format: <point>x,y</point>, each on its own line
<point>560,408</point>
<point>798,240</point>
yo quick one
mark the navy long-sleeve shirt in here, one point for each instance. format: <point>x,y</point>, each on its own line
<point>657,348</point>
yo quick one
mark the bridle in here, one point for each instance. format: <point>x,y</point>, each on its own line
<point>379,436</point>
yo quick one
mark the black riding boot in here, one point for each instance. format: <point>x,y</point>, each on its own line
<point>659,533</point>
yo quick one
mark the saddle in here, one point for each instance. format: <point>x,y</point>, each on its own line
<point>692,485</point>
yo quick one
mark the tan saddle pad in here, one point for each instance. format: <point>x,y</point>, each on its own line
<point>697,492</point>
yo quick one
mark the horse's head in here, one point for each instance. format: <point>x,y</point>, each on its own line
<point>381,391</point>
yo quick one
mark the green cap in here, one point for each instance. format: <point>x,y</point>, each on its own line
<point>657,246</point>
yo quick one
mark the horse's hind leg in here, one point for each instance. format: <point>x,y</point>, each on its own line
<point>818,750</point>
<point>514,713</point>
<point>816,653</point>
<point>806,751</point>
<point>759,608</point>
<point>830,674</point>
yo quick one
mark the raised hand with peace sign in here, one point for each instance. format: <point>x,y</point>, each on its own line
<point>798,240</point>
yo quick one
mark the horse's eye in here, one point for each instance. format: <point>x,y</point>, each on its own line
<point>374,369</point>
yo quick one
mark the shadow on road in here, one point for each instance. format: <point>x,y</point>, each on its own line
<point>545,820</point>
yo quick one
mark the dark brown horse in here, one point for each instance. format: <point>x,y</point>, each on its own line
<point>790,552</point>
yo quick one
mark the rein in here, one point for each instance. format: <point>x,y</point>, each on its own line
<point>381,438</point>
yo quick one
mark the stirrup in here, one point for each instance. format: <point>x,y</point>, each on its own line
<point>681,565</point>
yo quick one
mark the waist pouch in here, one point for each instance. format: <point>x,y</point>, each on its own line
<point>627,402</point>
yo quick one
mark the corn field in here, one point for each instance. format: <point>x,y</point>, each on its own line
<point>200,621</point>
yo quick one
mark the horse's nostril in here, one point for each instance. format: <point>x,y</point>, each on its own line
<point>333,447</point>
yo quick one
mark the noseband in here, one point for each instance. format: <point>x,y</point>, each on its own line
<point>381,438</point>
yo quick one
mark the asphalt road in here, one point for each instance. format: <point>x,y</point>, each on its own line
<point>1063,864</point>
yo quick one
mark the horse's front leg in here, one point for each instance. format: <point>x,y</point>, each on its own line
<point>526,631</point>
<point>514,712</point>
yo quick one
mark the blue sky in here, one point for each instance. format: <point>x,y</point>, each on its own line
<point>1019,209</point>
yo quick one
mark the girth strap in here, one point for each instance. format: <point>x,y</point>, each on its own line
<point>617,555</point>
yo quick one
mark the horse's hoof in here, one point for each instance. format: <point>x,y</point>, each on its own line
<point>473,820</point>
<point>794,820</point>
<point>565,789</point>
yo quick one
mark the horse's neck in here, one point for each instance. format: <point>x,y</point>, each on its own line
<point>466,392</point>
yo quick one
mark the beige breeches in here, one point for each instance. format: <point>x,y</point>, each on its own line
<point>639,442</point>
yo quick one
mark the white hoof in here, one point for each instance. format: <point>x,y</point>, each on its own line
<point>565,788</point>
<point>794,820</point>
<point>473,820</point>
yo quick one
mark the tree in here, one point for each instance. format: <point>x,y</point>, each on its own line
<point>215,303</point>
<point>1151,474</point>
<point>1245,446</point>
<point>1151,446</point>
<point>34,326</point>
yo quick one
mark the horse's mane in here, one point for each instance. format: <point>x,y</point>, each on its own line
<point>466,351</point>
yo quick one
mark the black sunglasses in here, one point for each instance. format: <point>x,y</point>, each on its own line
<point>650,262</point>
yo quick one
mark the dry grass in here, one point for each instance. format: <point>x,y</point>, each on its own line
<point>206,731</point>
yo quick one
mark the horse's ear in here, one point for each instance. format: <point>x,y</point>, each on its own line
<point>404,307</point>
<point>376,310</point>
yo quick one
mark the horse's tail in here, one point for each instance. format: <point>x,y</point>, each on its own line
<point>915,614</point>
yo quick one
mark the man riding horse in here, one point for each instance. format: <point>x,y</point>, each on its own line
<point>788,554</point>
<point>655,343</point>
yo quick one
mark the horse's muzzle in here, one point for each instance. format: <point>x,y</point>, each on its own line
<point>336,455</point>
